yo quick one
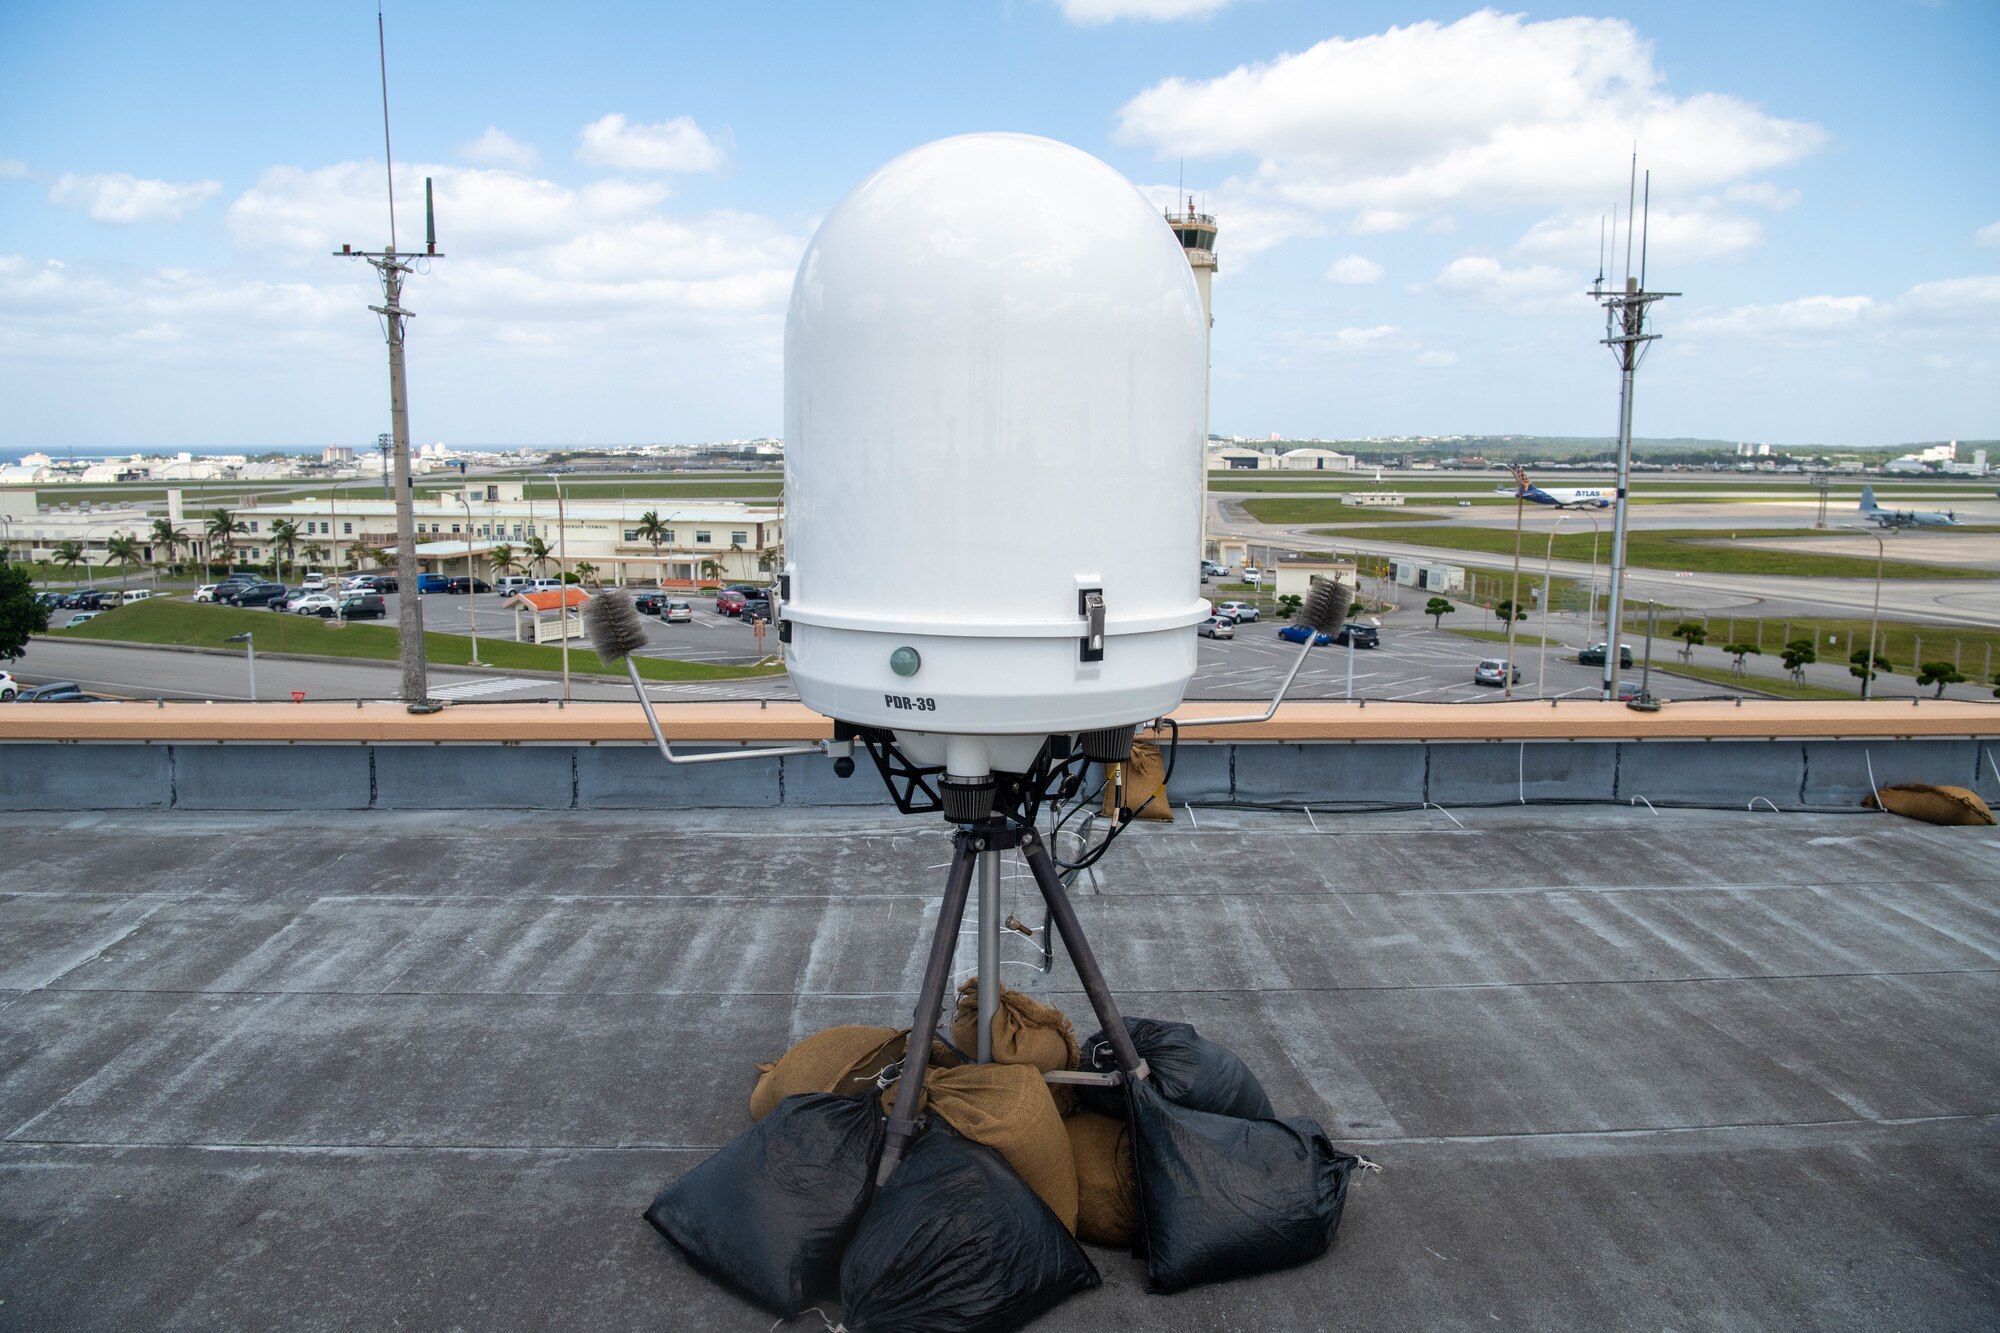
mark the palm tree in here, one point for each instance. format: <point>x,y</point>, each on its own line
<point>711,568</point>
<point>503,560</point>
<point>169,538</point>
<point>735,555</point>
<point>69,555</point>
<point>653,531</point>
<point>381,557</point>
<point>284,542</point>
<point>539,554</point>
<point>587,573</point>
<point>221,530</point>
<point>123,551</point>
<point>314,553</point>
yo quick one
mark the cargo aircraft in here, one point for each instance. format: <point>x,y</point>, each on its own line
<point>1562,497</point>
<point>1903,518</point>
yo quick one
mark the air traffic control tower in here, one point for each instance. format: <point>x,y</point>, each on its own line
<point>1197,237</point>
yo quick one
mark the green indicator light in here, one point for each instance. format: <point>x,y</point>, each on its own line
<point>904,661</point>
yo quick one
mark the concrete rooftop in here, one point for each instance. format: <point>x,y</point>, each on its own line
<point>1694,1070</point>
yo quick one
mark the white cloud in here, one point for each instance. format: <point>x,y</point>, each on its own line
<point>1437,358</point>
<point>1482,281</point>
<point>12,168</point>
<point>1808,315</point>
<point>1689,236</point>
<point>1953,301</point>
<point>1378,220</point>
<point>1762,192</point>
<point>497,148</point>
<point>1492,111</point>
<point>1987,235</point>
<point>117,197</point>
<point>1355,270</point>
<point>671,145</point>
<point>1093,12</point>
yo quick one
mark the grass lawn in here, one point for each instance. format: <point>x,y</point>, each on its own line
<point>200,625</point>
<point>1971,649</point>
<point>1692,549</point>
<point>1779,687</point>
<point>1287,509</point>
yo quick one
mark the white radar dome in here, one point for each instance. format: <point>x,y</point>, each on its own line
<point>994,382</point>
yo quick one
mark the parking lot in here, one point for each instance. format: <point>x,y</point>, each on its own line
<point>718,639</point>
<point>1413,663</point>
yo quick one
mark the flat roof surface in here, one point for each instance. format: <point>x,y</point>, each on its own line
<point>1696,1070</point>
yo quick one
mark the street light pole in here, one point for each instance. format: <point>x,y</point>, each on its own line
<point>1513,604</point>
<point>1542,661</point>
<point>249,642</point>
<point>1874,615</point>
<point>562,576</point>
<point>471,579</point>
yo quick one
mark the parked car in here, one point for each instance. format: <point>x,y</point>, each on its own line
<point>747,589</point>
<point>1209,569</point>
<point>81,617</point>
<point>1628,690</point>
<point>82,599</point>
<point>548,585</point>
<point>206,592</point>
<point>1465,504</point>
<point>729,603</point>
<point>131,595</point>
<point>514,583</point>
<point>8,688</point>
<point>756,608</point>
<point>312,604</point>
<point>363,606</point>
<point>1493,671</point>
<point>255,594</point>
<point>433,583</point>
<point>1240,612</point>
<point>1216,627</point>
<point>1299,634</point>
<point>677,613</point>
<point>382,582</point>
<point>649,603</point>
<point>50,600</point>
<point>1358,636</point>
<point>313,583</point>
<point>1594,655</point>
<point>460,585</point>
<point>36,694</point>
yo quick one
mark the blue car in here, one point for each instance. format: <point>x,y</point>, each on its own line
<point>1297,634</point>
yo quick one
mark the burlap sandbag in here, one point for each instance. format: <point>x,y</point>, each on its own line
<point>1933,805</point>
<point>1145,775</point>
<point>1025,1031</point>
<point>1107,1196</point>
<point>1008,1108</point>
<point>843,1060</point>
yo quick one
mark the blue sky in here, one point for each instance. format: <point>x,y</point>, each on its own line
<point>1408,197</point>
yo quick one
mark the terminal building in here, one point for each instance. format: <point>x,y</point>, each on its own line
<point>692,541</point>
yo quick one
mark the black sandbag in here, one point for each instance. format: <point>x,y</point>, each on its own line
<point>956,1241</point>
<point>1221,1197</point>
<point>1187,1068</point>
<point>769,1213</point>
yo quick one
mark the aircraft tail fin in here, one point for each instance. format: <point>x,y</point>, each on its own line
<point>1521,482</point>
<point>1867,498</point>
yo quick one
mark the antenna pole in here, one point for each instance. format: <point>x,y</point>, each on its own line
<point>1625,334</point>
<point>1645,226</point>
<point>388,156</point>
<point>396,444</point>
<point>1631,189</point>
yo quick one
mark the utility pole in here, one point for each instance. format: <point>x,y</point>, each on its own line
<point>1625,334</point>
<point>391,266</point>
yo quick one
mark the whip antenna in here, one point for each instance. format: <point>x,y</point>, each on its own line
<point>388,156</point>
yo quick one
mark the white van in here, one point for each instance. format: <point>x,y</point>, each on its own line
<point>134,595</point>
<point>547,585</point>
<point>514,583</point>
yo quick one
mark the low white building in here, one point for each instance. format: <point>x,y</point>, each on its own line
<point>29,531</point>
<point>695,542</point>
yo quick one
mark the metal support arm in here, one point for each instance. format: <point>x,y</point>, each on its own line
<point>764,752</point>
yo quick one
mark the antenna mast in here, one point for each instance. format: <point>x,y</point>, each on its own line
<point>1625,334</point>
<point>392,266</point>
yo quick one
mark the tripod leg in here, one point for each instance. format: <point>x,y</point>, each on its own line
<point>1080,954</point>
<point>937,971</point>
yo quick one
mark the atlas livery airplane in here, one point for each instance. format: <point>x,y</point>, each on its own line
<point>1562,497</point>
<point>1903,518</point>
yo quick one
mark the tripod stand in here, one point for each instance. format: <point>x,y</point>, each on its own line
<point>988,838</point>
